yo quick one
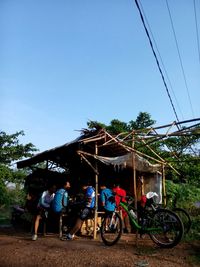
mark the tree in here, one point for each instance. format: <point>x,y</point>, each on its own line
<point>142,121</point>
<point>183,152</point>
<point>12,150</point>
<point>116,126</point>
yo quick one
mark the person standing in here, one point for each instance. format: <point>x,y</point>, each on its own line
<point>120,195</point>
<point>43,208</point>
<point>107,199</point>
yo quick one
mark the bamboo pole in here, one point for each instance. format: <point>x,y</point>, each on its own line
<point>130,149</point>
<point>142,181</point>
<point>94,169</point>
<point>96,196</point>
<point>163,184</point>
<point>134,184</point>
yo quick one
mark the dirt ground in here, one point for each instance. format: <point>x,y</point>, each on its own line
<point>18,250</point>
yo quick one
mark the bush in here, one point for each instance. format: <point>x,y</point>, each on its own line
<point>194,233</point>
<point>4,196</point>
<point>17,196</point>
<point>186,196</point>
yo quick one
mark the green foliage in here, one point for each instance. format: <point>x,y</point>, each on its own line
<point>116,126</point>
<point>17,196</point>
<point>188,167</point>
<point>12,196</point>
<point>5,173</point>
<point>195,229</point>
<point>183,153</point>
<point>10,151</point>
<point>5,215</point>
<point>185,195</point>
<point>4,196</point>
<point>12,175</point>
<point>95,125</point>
<point>142,121</point>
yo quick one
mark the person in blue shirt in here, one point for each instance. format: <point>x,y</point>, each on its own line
<point>60,200</point>
<point>88,207</point>
<point>107,199</point>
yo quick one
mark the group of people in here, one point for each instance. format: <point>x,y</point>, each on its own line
<point>56,200</point>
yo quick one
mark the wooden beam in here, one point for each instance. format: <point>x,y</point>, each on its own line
<point>89,163</point>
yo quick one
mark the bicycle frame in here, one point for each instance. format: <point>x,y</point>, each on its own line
<point>111,221</point>
<point>134,223</point>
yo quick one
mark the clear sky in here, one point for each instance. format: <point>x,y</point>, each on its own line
<point>64,62</point>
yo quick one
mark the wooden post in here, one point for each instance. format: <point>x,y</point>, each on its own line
<point>134,183</point>
<point>134,179</point>
<point>142,182</point>
<point>96,196</point>
<point>163,185</point>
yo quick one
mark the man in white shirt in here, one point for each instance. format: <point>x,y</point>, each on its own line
<point>42,208</point>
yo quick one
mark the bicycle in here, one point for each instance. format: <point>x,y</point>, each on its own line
<point>182,213</point>
<point>163,226</point>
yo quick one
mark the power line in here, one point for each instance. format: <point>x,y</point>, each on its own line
<point>197,31</point>
<point>183,72</point>
<point>156,58</point>
<point>166,74</point>
<point>181,66</point>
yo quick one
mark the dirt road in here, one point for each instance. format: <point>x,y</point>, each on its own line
<point>18,250</point>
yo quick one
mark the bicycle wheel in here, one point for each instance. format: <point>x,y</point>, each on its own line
<point>170,228</point>
<point>185,218</point>
<point>111,229</point>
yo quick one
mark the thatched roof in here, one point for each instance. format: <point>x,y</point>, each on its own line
<point>110,151</point>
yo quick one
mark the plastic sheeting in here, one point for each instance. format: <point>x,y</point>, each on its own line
<point>128,161</point>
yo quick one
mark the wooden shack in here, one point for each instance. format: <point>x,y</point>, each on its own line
<point>99,156</point>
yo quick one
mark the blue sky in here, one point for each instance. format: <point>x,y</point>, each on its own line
<point>65,62</point>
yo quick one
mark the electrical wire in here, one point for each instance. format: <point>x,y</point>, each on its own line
<point>197,31</point>
<point>165,71</point>
<point>154,53</point>
<point>179,55</point>
<point>156,58</point>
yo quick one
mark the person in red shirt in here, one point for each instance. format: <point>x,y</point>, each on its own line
<point>120,195</point>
